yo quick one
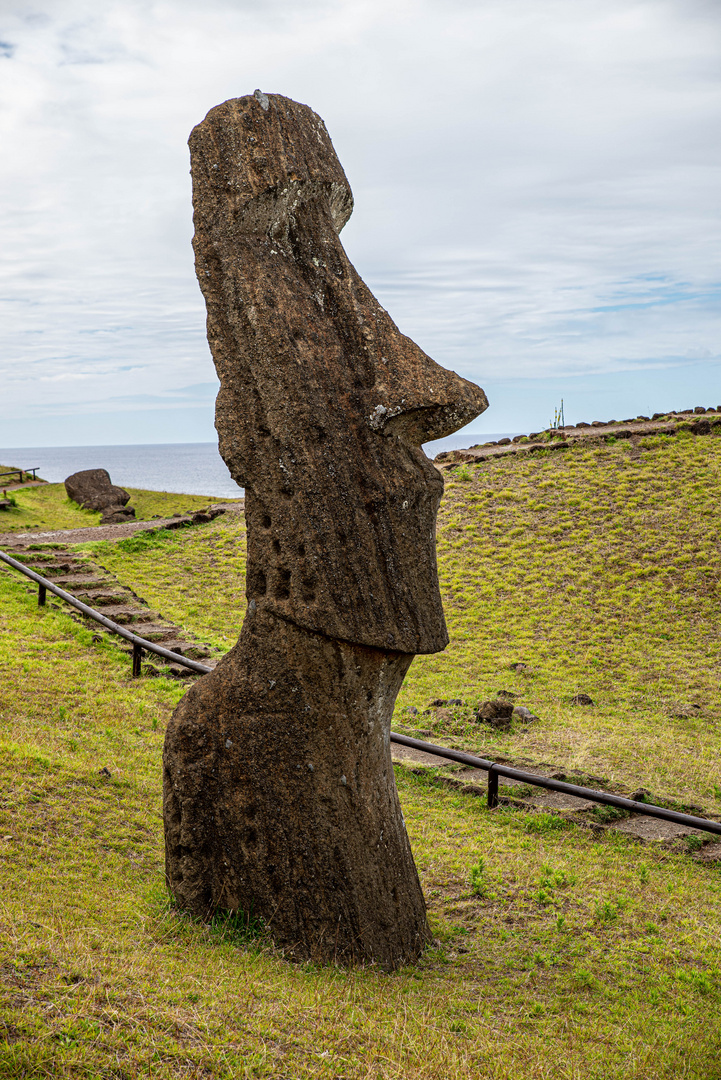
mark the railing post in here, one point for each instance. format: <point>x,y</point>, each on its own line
<point>137,657</point>
<point>42,593</point>
<point>492,788</point>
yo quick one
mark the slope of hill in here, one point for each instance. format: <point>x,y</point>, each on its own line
<point>559,951</point>
<point>598,569</point>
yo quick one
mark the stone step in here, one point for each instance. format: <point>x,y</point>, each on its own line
<point>157,632</point>
<point>194,650</point>
<point>124,614</point>
<point>101,598</point>
<point>56,567</point>
<point>82,579</point>
<point>49,558</point>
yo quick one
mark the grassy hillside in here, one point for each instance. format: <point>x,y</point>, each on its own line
<point>597,569</point>
<point>576,956</point>
<point>579,955</point>
<point>48,507</point>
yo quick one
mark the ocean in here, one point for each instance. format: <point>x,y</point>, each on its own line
<point>186,468</point>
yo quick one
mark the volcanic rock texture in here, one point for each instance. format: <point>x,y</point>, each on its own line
<point>279,791</point>
<point>93,489</point>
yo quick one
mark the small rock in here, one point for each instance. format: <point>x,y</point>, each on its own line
<point>520,712</point>
<point>507,694</point>
<point>497,714</point>
<point>642,795</point>
<point>105,771</point>
<point>518,666</point>
<point>437,703</point>
<point>581,699</point>
<point>116,515</point>
<point>455,701</point>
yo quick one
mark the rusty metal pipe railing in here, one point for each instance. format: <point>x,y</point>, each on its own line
<point>46,586</point>
<point>494,768</point>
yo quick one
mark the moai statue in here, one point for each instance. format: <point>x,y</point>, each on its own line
<point>279,795</point>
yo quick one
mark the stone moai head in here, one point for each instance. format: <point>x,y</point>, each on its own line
<point>323,404</point>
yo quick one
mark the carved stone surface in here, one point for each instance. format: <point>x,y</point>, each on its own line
<point>93,489</point>
<point>321,414</point>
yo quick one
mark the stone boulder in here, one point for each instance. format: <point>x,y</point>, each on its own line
<point>93,490</point>
<point>496,713</point>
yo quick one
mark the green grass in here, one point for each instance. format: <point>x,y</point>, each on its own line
<point>598,569</point>
<point>560,952</point>
<point>562,955</point>
<point>194,577</point>
<point>49,508</point>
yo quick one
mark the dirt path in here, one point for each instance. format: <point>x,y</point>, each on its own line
<point>105,532</point>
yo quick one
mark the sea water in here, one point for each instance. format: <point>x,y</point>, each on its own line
<point>187,468</point>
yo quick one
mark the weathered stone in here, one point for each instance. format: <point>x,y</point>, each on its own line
<point>279,795</point>
<point>114,515</point>
<point>520,712</point>
<point>92,488</point>
<point>581,699</point>
<point>497,713</point>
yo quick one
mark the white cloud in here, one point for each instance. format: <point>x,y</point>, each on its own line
<point>537,184</point>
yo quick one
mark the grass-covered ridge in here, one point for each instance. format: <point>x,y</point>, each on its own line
<point>558,953</point>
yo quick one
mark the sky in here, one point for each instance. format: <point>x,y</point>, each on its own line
<point>537,192</point>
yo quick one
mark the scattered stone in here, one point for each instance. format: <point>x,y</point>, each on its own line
<point>582,699</point>
<point>642,795</point>
<point>509,695</point>
<point>520,712</point>
<point>202,517</point>
<point>105,771</point>
<point>455,701</point>
<point>496,714</point>
<point>438,703</point>
<point>115,515</point>
<point>519,666</point>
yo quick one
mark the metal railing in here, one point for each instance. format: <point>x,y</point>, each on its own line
<point>493,768</point>
<point>19,473</point>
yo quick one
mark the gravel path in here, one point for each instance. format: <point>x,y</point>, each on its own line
<point>102,532</point>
